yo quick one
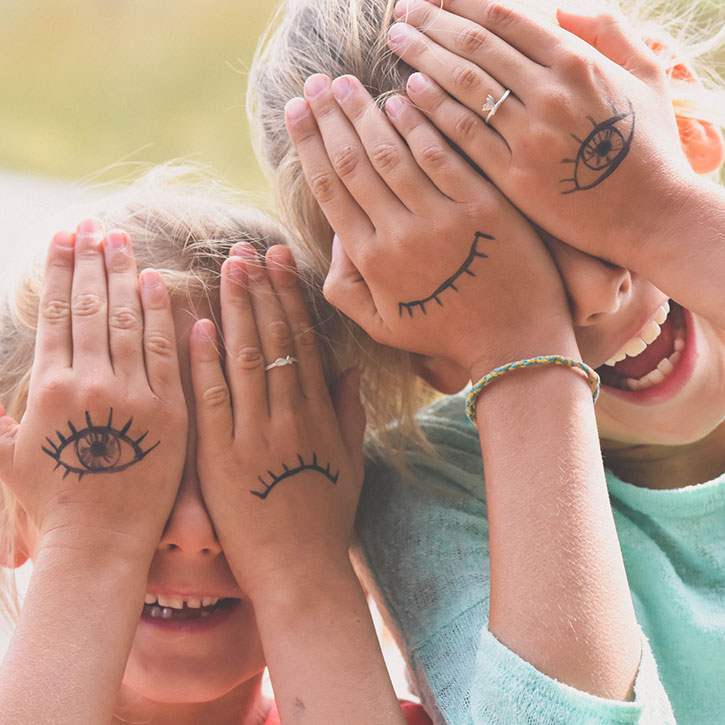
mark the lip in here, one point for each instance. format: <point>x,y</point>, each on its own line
<point>636,330</point>
<point>213,621</point>
<point>674,382</point>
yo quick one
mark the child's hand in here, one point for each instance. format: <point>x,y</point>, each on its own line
<point>430,257</point>
<point>280,465</point>
<point>97,457</point>
<point>586,145</point>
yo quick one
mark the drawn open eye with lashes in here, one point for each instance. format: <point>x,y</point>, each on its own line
<point>465,268</point>
<point>288,472</point>
<point>602,151</point>
<point>96,448</point>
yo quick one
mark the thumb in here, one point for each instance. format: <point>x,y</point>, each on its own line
<point>350,415</point>
<point>613,37</point>
<point>9,428</point>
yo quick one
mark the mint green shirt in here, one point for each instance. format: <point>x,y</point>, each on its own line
<point>425,543</point>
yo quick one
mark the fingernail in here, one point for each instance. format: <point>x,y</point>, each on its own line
<point>206,329</point>
<point>150,278</point>
<point>116,240</point>
<point>417,83</point>
<point>341,88</point>
<point>399,34</point>
<point>315,84</point>
<point>394,106</point>
<point>401,8</point>
<point>296,109</point>
<point>64,239</point>
<point>236,269</point>
<point>89,226</point>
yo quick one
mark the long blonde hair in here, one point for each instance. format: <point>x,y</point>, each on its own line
<point>339,37</point>
<point>183,223</point>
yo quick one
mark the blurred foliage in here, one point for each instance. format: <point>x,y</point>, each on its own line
<point>85,84</point>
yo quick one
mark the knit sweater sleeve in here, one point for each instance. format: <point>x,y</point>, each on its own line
<point>423,540</point>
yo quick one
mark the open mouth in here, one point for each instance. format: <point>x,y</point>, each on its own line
<point>186,610</point>
<point>643,365</point>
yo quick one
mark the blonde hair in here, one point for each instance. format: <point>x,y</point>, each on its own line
<point>182,223</point>
<point>339,37</point>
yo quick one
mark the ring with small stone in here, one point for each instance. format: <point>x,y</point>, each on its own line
<point>493,105</point>
<point>280,362</point>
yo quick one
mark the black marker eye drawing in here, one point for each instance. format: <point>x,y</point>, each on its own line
<point>289,472</point>
<point>602,151</point>
<point>97,448</point>
<point>465,268</point>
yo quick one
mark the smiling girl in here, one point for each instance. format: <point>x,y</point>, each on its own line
<point>520,597</point>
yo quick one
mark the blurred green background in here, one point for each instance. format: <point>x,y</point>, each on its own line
<point>87,84</point>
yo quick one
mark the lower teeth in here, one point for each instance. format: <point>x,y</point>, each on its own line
<point>663,369</point>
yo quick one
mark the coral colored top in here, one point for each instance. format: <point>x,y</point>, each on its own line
<point>425,543</point>
<point>414,715</point>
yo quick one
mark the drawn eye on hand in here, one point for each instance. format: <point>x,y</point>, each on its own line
<point>96,448</point>
<point>602,151</point>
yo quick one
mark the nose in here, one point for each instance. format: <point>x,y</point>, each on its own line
<point>597,289</point>
<point>189,528</point>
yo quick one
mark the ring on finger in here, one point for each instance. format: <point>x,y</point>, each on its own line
<point>491,105</point>
<point>280,362</point>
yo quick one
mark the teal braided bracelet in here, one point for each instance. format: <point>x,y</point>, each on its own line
<point>592,377</point>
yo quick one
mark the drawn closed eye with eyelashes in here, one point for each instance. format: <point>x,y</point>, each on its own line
<point>290,472</point>
<point>602,151</point>
<point>449,283</point>
<point>97,448</point>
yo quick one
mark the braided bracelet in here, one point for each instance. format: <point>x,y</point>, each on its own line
<point>592,377</point>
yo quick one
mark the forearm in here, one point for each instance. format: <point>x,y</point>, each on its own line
<point>323,654</point>
<point>682,250</point>
<point>68,653</point>
<point>559,594</point>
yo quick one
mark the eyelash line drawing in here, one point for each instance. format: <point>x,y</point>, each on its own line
<point>450,282</point>
<point>595,150</point>
<point>289,472</point>
<point>107,442</point>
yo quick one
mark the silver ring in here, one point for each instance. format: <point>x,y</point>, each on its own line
<point>280,362</point>
<point>492,105</point>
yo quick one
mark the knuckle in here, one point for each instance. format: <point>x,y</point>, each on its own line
<point>248,357</point>
<point>215,396</point>
<point>87,304</point>
<point>470,40</point>
<point>278,332</point>
<point>386,156</point>
<point>346,160</point>
<point>322,185</point>
<point>93,392</point>
<point>466,126</point>
<point>433,156</point>
<point>159,344</point>
<point>124,318</point>
<point>304,336</point>
<point>53,388</point>
<point>464,77</point>
<point>497,14</point>
<point>55,310</point>
<point>575,64</point>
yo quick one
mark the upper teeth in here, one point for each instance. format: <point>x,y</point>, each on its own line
<point>178,602</point>
<point>648,335</point>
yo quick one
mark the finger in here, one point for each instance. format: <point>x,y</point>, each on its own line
<point>351,416</point>
<point>211,394</point>
<point>244,359</point>
<point>388,154</point>
<point>346,153</point>
<point>346,289</point>
<point>465,39</point>
<point>444,166</point>
<point>614,38</point>
<point>340,209</point>
<point>159,338</point>
<point>462,79</point>
<point>8,432</point>
<point>89,299</point>
<point>283,387</point>
<point>538,40</point>
<point>125,316</point>
<point>53,347</point>
<point>286,283</point>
